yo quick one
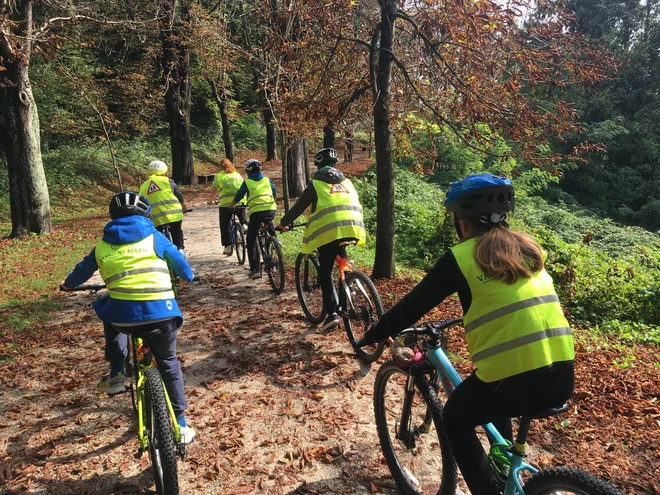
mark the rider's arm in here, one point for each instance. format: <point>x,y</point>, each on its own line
<point>242,191</point>
<point>172,256</point>
<point>441,281</point>
<point>217,184</point>
<point>83,271</point>
<point>179,195</point>
<point>272,188</point>
<point>306,199</point>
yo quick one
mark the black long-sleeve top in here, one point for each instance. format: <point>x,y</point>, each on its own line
<point>444,279</point>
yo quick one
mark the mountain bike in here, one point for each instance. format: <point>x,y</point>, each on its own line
<point>237,235</point>
<point>358,302</point>
<point>272,259</point>
<point>157,428</point>
<point>407,410</point>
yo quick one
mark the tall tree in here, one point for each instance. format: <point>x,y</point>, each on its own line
<point>19,122</point>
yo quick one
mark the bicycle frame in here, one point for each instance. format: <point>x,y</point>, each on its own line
<point>449,378</point>
<point>344,267</point>
<point>140,351</point>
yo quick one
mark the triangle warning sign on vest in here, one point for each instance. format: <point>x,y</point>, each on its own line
<point>338,188</point>
<point>153,188</point>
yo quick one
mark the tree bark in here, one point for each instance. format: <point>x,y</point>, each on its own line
<point>349,144</point>
<point>271,142</point>
<point>220,98</point>
<point>176,74</point>
<point>20,133</point>
<point>285,172</point>
<point>297,167</point>
<point>384,266</point>
<point>328,136</point>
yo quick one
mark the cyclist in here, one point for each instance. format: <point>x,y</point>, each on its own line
<point>227,183</point>
<point>133,260</point>
<point>261,204</point>
<point>335,220</point>
<point>516,332</point>
<point>167,203</point>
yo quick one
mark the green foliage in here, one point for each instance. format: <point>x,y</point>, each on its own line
<point>249,133</point>
<point>422,231</point>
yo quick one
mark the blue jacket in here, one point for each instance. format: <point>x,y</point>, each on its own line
<point>243,190</point>
<point>125,230</point>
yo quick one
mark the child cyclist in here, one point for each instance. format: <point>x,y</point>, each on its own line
<point>335,220</point>
<point>227,182</point>
<point>516,332</point>
<point>133,260</point>
<point>261,204</point>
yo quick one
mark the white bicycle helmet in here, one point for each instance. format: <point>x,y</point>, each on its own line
<point>157,167</point>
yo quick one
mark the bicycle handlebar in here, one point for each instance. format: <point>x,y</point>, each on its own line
<point>431,328</point>
<point>96,287</point>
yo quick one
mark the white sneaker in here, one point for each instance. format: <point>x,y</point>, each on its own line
<point>187,434</point>
<point>183,252</point>
<point>245,228</point>
<point>228,250</point>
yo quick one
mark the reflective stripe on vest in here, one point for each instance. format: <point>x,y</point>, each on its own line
<point>165,207</point>
<point>338,215</point>
<point>228,187</point>
<point>511,328</point>
<point>134,272</point>
<point>260,195</point>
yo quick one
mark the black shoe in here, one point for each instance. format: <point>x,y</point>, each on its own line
<point>331,321</point>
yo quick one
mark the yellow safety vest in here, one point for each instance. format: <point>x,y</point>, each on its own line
<point>165,207</point>
<point>512,328</point>
<point>338,215</point>
<point>134,272</point>
<point>228,187</point>
<point>217,181</point>
<point>260,196</point>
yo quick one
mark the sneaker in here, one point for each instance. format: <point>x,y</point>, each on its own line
<point>228,250</point>
<point>254,274</point>
<point>331,321</point>
<point>183,252</point>
<point>112,385</point>
<point>187,434</point>
<point>245,228</point>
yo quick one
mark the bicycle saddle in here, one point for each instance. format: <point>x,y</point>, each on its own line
<point>544,413</point>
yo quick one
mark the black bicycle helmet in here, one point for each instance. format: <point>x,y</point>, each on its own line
<point>483,196</point>
<point>325,157</point>
<point>129,203</point>
<point>252,165</point>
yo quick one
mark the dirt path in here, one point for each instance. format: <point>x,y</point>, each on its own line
<point>279,408</point>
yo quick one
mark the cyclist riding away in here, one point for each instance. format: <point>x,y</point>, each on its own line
<point>227,182</point>
<point>335,220</point>
<point>133,260</point>
<point>167,203</point>
<point>516,332</point>
<point>261,204</point>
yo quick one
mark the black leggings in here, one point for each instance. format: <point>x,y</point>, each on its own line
<point>224,217</point>
<point>175,232</point>
<point>256,219</point>
<point>475,403</point>
<point>327,255</point>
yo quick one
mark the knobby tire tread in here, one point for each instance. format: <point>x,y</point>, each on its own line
<point>348,325</point>
<point>164,434</point>
<point>299,272</point>
<point>428,393</point>
<point>550,480</point>
<point>276,281</point>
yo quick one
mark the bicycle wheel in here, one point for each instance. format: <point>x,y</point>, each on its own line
<point>420,461</point>
<point>239,238</point>
<point>161,435</point>
<point>274,264</point>
<point>309,288</point>
<point>363,309</point>
<point>567,480</point>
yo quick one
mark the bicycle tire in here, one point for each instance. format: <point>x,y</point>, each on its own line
<point>436,473</point>
<point>274,264</point>
<point>357,321</point>
<point>239,242</point>
<point>568,480</point>
<point>161,435</point>
<point>309,288</point>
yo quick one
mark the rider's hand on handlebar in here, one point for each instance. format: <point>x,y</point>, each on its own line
<point>281,228</point>
<point>64,288</point>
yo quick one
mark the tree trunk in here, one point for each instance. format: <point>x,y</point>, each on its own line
<point>176,70</point>
<point>271,142</point>
<point>328,136</point>
<point>348,146</point>
<point>297,167</point>
<point>285,172</point>
<point>20,134</point>
<point>384,260</point>
<point>221,100</point>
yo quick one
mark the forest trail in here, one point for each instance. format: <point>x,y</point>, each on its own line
<point>278,407</point>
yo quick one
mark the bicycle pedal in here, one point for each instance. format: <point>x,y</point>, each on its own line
<point>181,450</point>
<point>138,454</point>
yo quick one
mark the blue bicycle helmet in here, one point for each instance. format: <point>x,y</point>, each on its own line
<point>481,195</point>
<point>129,203</point>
